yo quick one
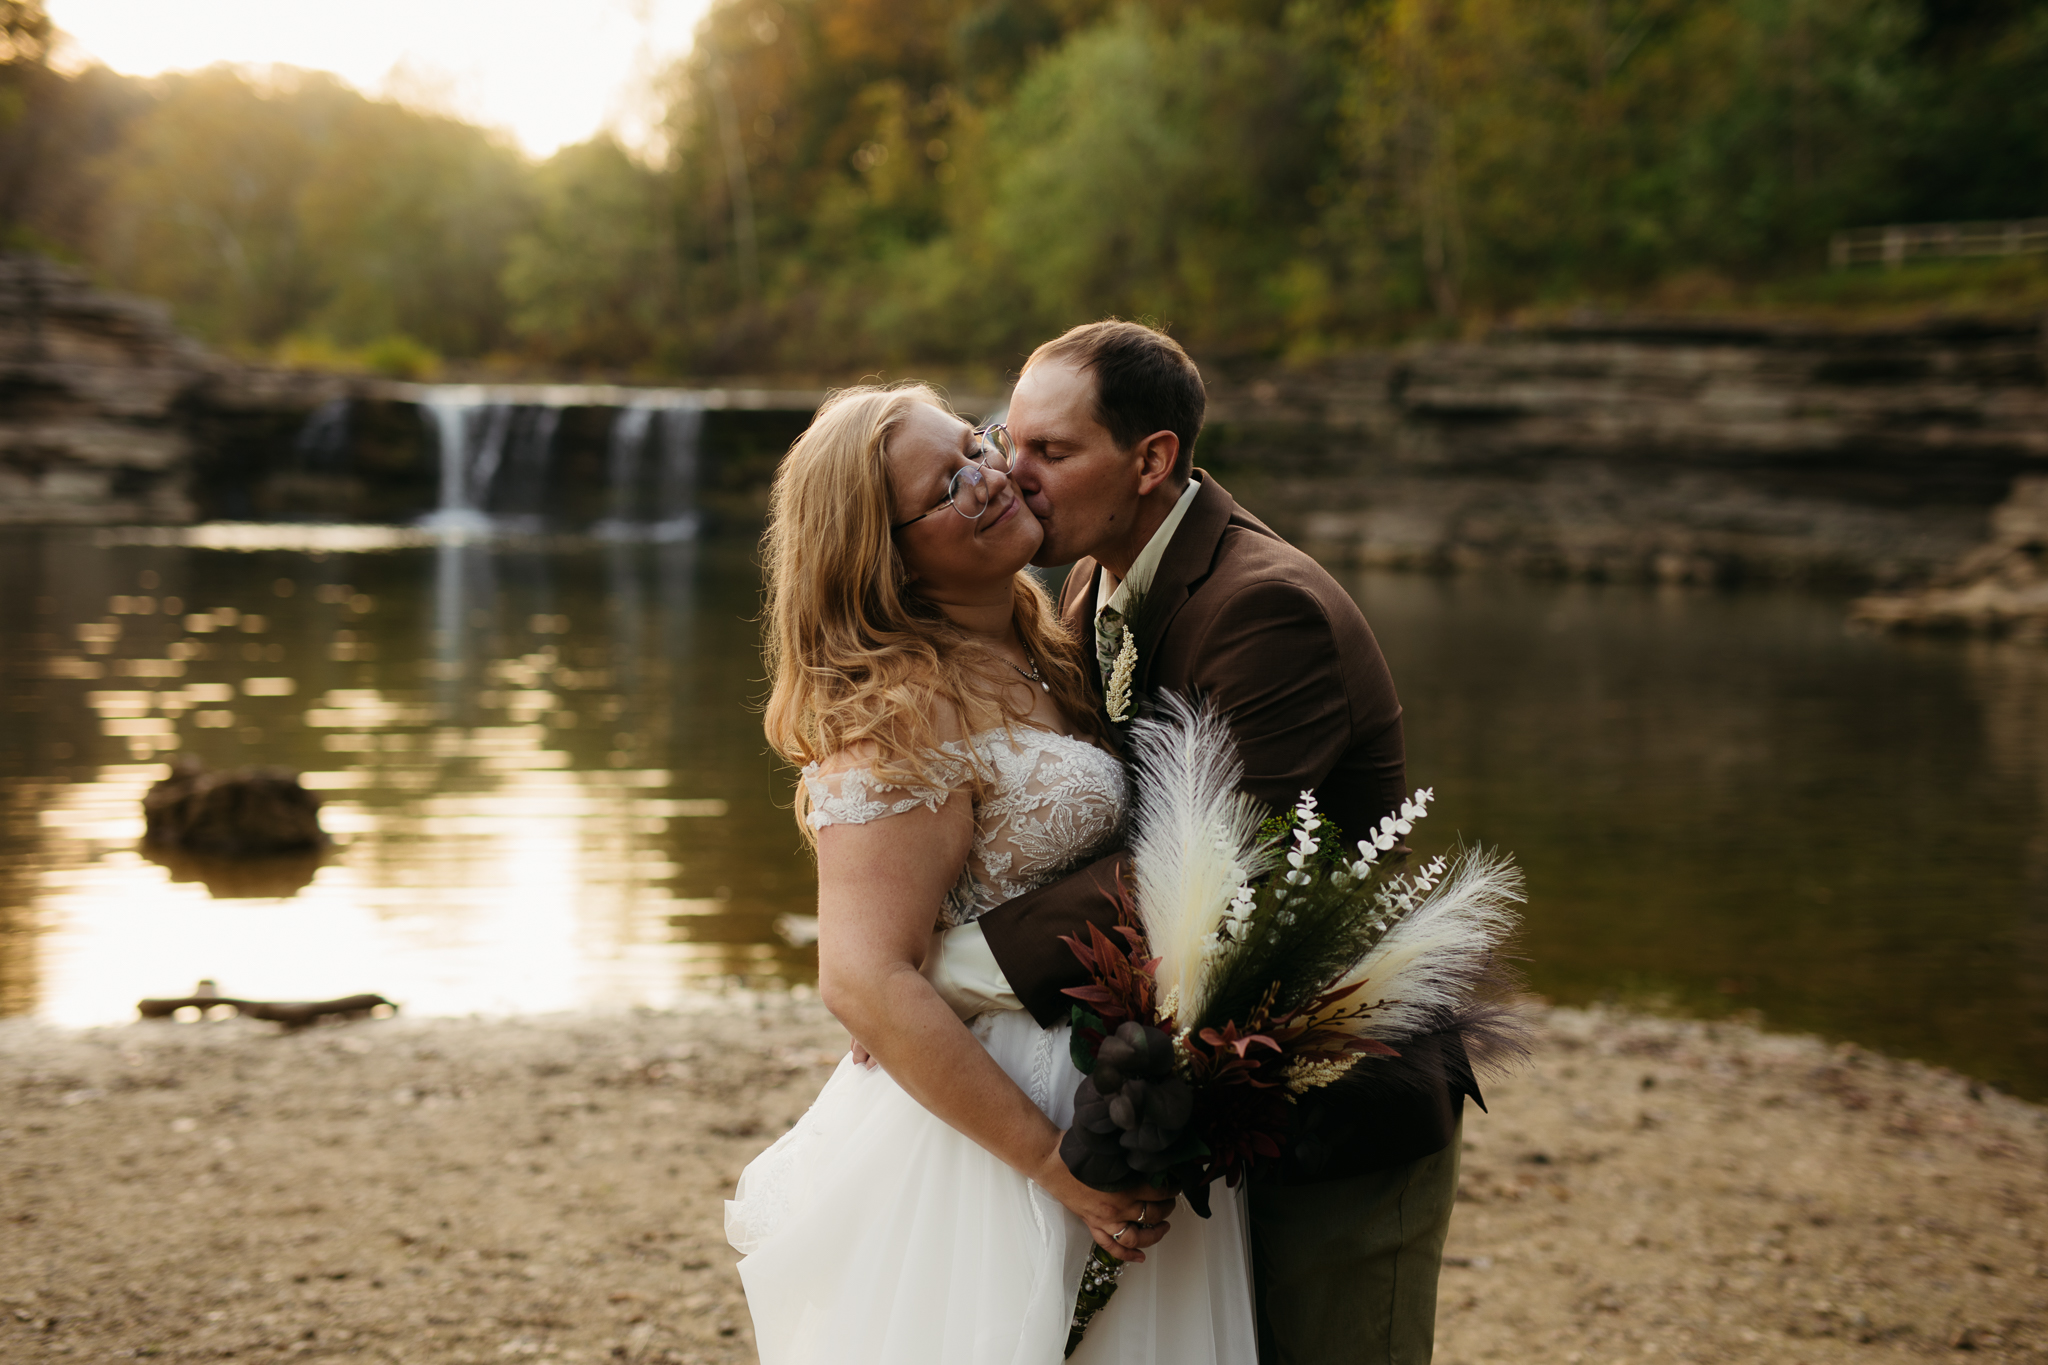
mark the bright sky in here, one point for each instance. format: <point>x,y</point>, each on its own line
<point>551,72</point>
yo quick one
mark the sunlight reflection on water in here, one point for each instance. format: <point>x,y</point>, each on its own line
<point>545,775</point>
<point>538,767</point>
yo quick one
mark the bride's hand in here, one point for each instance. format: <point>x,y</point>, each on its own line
<point>1122,1223</point>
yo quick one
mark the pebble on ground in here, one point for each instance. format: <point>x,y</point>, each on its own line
<point>457,1192</point>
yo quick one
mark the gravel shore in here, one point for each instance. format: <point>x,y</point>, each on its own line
<point>468,1191</point>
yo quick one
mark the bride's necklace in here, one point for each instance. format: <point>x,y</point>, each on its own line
<point>1031,675</point>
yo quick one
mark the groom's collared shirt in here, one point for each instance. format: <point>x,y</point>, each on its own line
<point>960,965</point>
<point>1111,603</point>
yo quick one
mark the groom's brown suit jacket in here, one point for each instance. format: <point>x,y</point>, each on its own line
<point>1238,616</point>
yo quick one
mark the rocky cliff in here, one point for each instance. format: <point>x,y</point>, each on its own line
<point>1636,448</point>
<point>89,386</point>
<point>104,405</point>
<point>2000,588</point>
<point>1648,448</point>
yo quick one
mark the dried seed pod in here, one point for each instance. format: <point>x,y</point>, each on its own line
<point>1129,1111</point>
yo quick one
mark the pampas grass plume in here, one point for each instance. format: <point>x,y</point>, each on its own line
<point>1194,841</point>
<point>1433,959</point>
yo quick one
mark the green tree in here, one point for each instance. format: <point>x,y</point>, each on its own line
<point>1518,149</point>
<point>591,279</point>
<point>200,204</point>
<point>1148,170</point>
<point>25,31</point>
<point>852,183</point>
<point>51,128</point>
<point>292,204</point>
<point>409,217</point>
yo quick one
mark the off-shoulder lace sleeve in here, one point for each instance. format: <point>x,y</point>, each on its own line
<point>855,796</point>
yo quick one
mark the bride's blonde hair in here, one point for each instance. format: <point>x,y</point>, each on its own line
<point>855,654</point>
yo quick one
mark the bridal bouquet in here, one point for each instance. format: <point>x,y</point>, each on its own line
<point>1259,959</point>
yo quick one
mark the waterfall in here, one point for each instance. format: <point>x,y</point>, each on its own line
<point>622,469</point>
<point>675,504</point>
<point>447,411</point>
<point>501,471</point>
<point>623,464</point>
<point>322,444</point>
<point>651,469</point>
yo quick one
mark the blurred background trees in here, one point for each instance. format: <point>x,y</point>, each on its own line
<point>845,184</point>
<point>292,207</point>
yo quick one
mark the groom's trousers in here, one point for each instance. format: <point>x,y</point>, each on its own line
<point>1346,1270</point>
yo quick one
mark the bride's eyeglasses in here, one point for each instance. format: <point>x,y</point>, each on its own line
<point>967,492</point>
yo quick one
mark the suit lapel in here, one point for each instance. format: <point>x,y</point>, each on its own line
<point>1188,560</point>
<point>1077,609</point>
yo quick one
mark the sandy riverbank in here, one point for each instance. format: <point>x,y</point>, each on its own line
<point>462,1191</point>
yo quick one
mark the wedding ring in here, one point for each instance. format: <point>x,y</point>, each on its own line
<point>1118,1235</point>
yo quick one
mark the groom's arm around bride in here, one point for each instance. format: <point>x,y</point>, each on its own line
<point>1186,593</point>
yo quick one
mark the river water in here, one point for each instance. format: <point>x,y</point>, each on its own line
<point>549,790</point>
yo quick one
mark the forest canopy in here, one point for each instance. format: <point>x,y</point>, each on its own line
<point>844,184</point>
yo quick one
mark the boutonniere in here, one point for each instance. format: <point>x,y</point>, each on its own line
<point>1123,669</point>
<point>1118,699</point>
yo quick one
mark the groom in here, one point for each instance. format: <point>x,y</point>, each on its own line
<point>1348,1231</point>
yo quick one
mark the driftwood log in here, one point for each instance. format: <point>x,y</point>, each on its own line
<point>293,1014</point>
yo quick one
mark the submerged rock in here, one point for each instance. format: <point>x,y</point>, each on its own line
<point>241,812</point>
<point>244,876</point>
<point>1997,589</point>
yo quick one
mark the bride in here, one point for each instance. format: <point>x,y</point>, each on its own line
<point>920,1212</point>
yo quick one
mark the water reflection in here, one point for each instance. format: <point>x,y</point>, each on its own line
<point>276,877</point>
<point>548,784</point>
<point>1729,801</point>
<point>2011,682</point>
<point>537,763</point>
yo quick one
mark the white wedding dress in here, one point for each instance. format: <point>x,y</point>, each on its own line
<point>874,1234</point>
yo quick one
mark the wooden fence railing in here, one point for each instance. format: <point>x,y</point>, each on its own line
<point>1893,246</point>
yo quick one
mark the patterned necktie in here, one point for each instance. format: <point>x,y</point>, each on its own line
<point>1109,638</point>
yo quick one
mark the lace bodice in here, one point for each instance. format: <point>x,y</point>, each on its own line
<point>1055,803</point>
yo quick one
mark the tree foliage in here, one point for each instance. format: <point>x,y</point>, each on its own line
<point>267,207</point>
<point>846,183</point>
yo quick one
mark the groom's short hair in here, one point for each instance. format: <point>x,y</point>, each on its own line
<point>1144,382</point>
